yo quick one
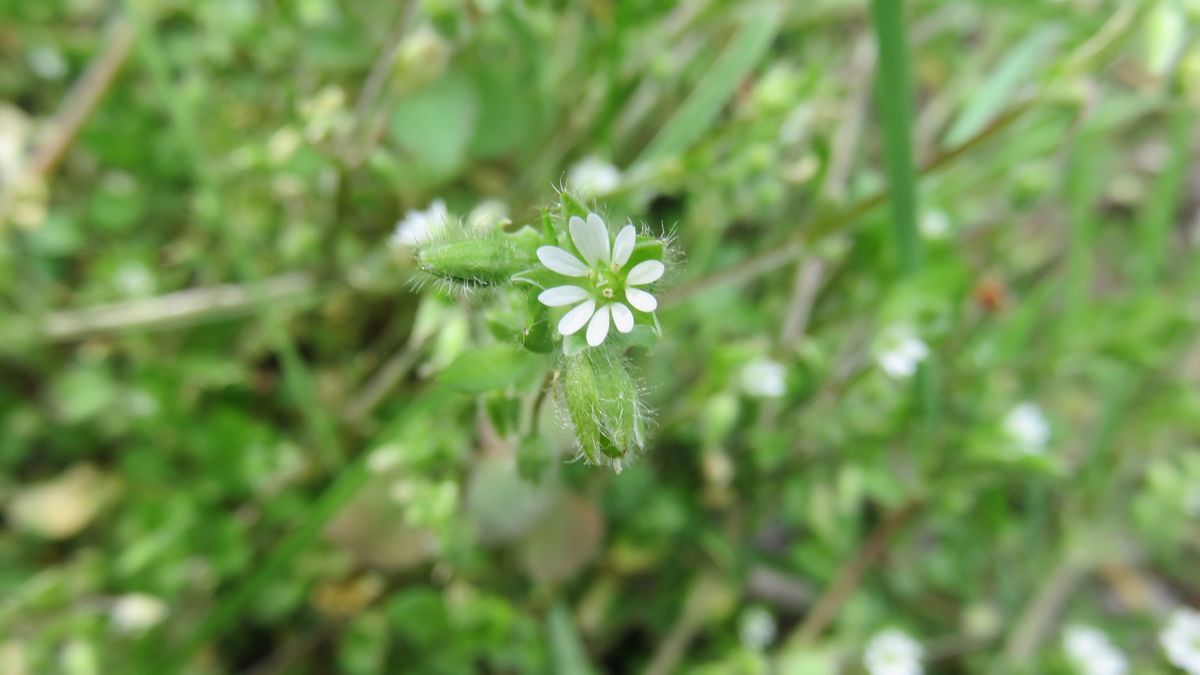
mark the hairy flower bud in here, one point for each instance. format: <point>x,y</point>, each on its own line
<point>604,406</point>
<point>471,257</point>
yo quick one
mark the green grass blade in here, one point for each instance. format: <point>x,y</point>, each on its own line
<point>698,113</point>
<point>994,94</point>
<point>1082,187</point>
<point>566,649</point>
<point>1159,214</point>
<point>895,109</point>
<point>894,92</point>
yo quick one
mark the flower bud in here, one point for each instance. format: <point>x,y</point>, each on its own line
<point>604,406</point>
<point>473,257</point>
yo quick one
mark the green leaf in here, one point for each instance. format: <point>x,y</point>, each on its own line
<point>700,111</point>
<point>504,412</point>
<point>506,114</point>
<point>997,92</point>
<point>571,206</point>
<point>565,646</point>
<point>436,124</point>
<point>490,368</point>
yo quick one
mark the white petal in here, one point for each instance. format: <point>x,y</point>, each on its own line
<point>623,246</point>
<point>641,300</point>
<point>562,295</point>
<point>591,238</point>
<point>599,232</point>
<point>558,260</point>
<point>622,317</point>
<point>573,320</point>
<point>645,272</point>
<point>598,328</point>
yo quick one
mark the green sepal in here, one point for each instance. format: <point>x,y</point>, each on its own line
<point>571,206</point>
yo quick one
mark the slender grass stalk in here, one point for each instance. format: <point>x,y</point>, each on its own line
<point>1159,215</point>
<point>894,90</point>
<point>698,112</point>
<point>566,649</point>
<point>1082,186</point>
<point>794,246</point>
<point>895,110</point>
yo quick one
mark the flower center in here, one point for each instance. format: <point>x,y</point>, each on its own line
<point>607,282</point>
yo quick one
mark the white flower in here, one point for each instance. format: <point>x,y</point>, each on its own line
<point>902,352</point>
<point>137,612</point>
<point>1191,501</point>
<point>61,507</point>
<point>14,139</point>
<point>46,62</point>
<point>1091,652</point>
<point>1028,427</point>
<point>418,226</point>
<point>764,378</point>
<point>1180,639</point>
<point>384,459</point>
<point>934,225</point>
<point>893,652</point>
<point>593,177</point>
<point>757,628</point>
<point>602,279</point>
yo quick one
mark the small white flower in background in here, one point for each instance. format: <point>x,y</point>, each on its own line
<point>487,213</point>
<point>592,177</point>
<point>934,225</point>
<point>283,145</point>
<point>15,130</point>
<point>325,114</point>
<point>417,226</point>
<point>61,507</point>
<point>1180,639</point>
<point>602,277</point>
<point>893,652</point>
<point>1092,653</point>
<point>46,62</point>
<point>764,378</point>
<point>901,351</point>
<point>137,612</point>
<point>384,459</point>
<point>1027,425</point>
<point>1191,502</point>
<point>756,628</point>
<point>135,280</point>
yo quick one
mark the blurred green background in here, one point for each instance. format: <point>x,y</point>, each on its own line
<point>930,364</point>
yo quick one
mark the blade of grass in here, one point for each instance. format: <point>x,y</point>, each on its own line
<point>895,110</point>
<point>1082,187</point>
<point>566,649</point>
<point>1159,215</point>
<point>779,255</point>
<point>1017,67</point>
<point>697,114</point>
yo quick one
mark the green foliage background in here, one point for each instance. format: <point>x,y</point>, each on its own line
<point>221,388</point>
